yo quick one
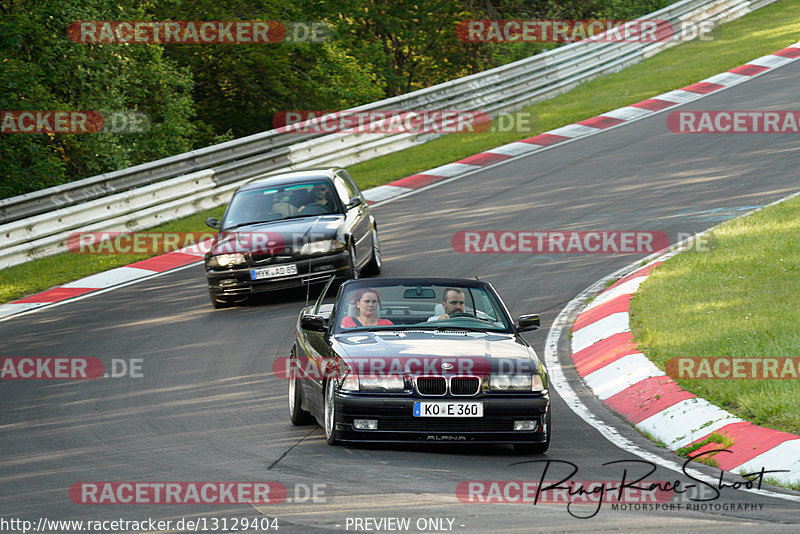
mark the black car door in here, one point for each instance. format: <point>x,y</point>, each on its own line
<point>357,221</point>
<point>316,352</point>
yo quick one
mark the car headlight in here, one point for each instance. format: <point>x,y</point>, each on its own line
<point>227,260</point>
<point>354,382</point>
<point>382,383</point>
<point>511,382</point>
<point>321,247</point>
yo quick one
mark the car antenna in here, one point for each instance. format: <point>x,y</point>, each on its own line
<point>476,278</point>
<point>308,283</point>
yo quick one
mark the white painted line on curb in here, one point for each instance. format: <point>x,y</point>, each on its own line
<point>573,130</point>
<point>514,149</point>
<point>110,278</point>
<point>686,422</point>
<point>727,79</point>
<point>599,330</point>
<point>628,287</point>
<point>771,61</point>
<point>384,192</point>
<point>621,374</point>
<point>785,456</point>
<point>451,169</point>
<point>679,96</point>
<point>13,308</point>
<point>628,113</point>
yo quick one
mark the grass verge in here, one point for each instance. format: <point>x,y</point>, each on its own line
<point>762,32</point>
<point>734,299</point>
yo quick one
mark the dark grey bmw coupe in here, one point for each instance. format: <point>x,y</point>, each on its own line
<point>420,360</point>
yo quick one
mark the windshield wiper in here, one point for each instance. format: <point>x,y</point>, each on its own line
<point>464,328</point>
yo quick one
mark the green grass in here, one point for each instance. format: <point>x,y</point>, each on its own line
<point>707,459</point>
<point>38,275</point>
<point>765,31</point>
<point>738,299</point>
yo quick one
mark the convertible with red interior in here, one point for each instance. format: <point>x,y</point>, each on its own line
<point>420,360</point>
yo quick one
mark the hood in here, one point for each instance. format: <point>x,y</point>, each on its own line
<point>424,352</point>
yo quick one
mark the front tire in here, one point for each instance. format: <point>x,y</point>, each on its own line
<point>218,303</point>
<point>297,414</point>
<point>352,273</point>
<point>375,263</point>
<point>536,448</point>
<point>331,435</point>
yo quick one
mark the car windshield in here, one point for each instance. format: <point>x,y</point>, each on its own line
<point>253,206</point>
<point>412,306</point>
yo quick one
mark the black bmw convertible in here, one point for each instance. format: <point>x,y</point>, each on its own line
<point>420,360</point>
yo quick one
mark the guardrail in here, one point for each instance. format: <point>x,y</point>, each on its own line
<point>36,224</point>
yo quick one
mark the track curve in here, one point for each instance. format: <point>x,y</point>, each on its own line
<point>209,408</point>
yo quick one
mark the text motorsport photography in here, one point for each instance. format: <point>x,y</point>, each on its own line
<point>632,490</point>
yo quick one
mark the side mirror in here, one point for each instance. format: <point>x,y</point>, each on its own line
<point>355,201</point>
<point>212,222</point>
<point>528,322</point>
<point>314,323</point>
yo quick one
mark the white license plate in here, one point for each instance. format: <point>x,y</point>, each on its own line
<point>448,409</point>
<point>272,272</point>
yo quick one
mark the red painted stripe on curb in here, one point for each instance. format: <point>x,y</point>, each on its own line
<point>647,397</point>
<point>653,104</point>
<point>615,305</point>
<point>748,70</point>
<point>790,52</point>
<point>416,181</point>
<point>545,139</point>
<point>749,441</point>
<point>165,262</point>
<point>644,271</point>
<point>601,122</point>
<point>483,159</point>
<point>702,87</point>
<point>604,352</point>
<point>56,294</point>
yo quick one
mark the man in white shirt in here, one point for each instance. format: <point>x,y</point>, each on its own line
<point>452,302</point>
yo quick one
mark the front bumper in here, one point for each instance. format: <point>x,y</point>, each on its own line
<point>236,282</point>
<point>397,424</point>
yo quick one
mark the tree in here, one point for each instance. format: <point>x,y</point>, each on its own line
<point>43,70</point>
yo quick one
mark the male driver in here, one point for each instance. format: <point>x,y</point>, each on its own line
<point>321,201</point>
<point>452,302</point>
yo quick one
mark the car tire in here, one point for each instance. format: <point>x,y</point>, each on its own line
<point>536,448</point>
<point>219,304</point>
<point>297,415</point>
<point>331,435</point>
<point>375,263</point>
<point>352,273</point>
